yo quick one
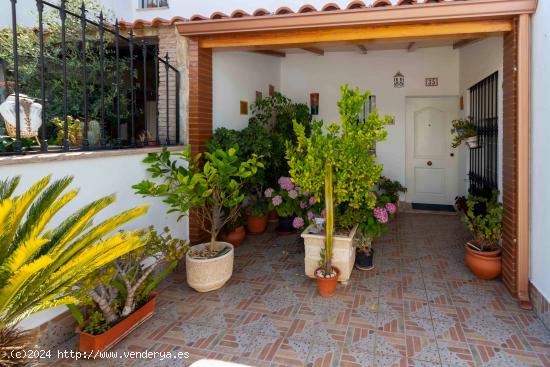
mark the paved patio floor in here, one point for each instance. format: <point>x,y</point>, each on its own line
<point>421,306</point>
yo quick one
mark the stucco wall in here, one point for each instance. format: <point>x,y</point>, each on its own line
<point>540,152</point>
<point>236,76</point>
<point>97,178</point>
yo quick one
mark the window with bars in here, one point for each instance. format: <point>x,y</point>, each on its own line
<point>152,4</point>
<point>484,159</point>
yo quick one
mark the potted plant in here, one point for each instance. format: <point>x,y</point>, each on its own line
<point>464,130</point>
<point>210,187</point>
<point>484,219</point>
<point>257,215</point>
<point>286,202</point>
<point>391,190</point>
<point>120,296</point>
<point>336,163</point>
<point>234,231</point>
<point>46,261</point>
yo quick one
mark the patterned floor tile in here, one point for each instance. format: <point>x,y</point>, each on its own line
<point>420,307</point>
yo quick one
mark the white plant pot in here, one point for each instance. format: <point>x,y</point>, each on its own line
<point>205,275</point>
<point>343,253</point>
<point>30,116</point>
<point>472,142</point>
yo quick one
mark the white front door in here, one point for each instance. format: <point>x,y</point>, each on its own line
<point>431,161</point>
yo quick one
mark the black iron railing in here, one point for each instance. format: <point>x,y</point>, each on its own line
<point>484,160</point>
<point>103,97</point>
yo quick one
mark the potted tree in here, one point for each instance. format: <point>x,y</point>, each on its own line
<point>464,130</point>
<point>336,163</point>
<point>484,219</point>
<point>211,188</point>
<point>120,296</point>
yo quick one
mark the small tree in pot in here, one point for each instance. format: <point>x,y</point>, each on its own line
<point>212,188</point>
<point>483,218</point>
<point>337,163</point>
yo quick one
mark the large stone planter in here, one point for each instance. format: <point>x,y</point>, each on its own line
<point>205,275</point>
<point>343,253</point>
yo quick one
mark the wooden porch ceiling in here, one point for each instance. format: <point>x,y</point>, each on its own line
<point>359,35</point>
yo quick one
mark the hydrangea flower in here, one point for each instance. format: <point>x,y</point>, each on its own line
<point>310,215</point>
<point>298,222</point>
<point>293,194</point>
<point>303,205</point>
<point>391,208</point>
<point>277,200</point>
<point>381,215</point>
<point>286,183</point>
<point>312,200</point>
<point>268,192</point>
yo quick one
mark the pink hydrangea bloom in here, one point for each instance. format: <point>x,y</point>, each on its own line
<point>268,192</point>
<point>312,200</point>
<point>293,194</point>
<point>298,222</point>
<point>303,205</point>
<point>277,200</point>
<point>381,215</point>
<point>310,215</point>
<point>391,208</point>
<point>286,183</point>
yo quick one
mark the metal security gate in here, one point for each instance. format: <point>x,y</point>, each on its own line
<point>484,160</point>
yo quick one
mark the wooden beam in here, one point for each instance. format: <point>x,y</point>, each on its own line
<point>270,53</point>
<point>314,50</point>
<point>355,33</point>
<point>412,47</point>
<point>362,49</point>
<point>466,42</point>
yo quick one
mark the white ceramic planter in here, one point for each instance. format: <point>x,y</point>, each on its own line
<point>205,275</point>
<point>472,142</point>
<point>343,253</point>
<point>30,116</point>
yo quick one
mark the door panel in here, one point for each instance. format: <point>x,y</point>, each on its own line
<point>431,162</point>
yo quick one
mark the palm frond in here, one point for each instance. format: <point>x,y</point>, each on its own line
<point>8,186</point>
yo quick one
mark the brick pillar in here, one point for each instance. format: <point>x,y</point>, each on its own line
<point>171,43</point>
<point>510,166</point>
<point>200,113</point>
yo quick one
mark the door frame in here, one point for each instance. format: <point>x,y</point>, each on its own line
<point>409,160</point>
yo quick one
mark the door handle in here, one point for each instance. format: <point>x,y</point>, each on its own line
<point>429,163</point>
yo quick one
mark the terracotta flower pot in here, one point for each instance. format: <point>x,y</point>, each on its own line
<point>484,265</point>
<point>273,216</point>
<point>235,237</point>
<point>97,343</point>
<point>327,286</point>
<point>256,225</point>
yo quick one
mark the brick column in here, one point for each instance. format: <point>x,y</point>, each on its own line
<point>510,163</point>
<point>200,113</point>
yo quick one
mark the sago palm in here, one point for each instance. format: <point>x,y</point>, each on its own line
<point>40,265</point>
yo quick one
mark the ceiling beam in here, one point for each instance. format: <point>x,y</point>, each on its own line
<point>314,50</point>
<point>466,42</point>
<point>362,49</point>
<point>347,34</point>
<point>412,47</point>
<point>270,53</point>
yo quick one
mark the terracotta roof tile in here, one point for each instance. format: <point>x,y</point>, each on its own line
<point>306,8</point>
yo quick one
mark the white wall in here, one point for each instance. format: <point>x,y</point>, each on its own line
<point>540,151</point>
<point>477,61</point>
<point>97,178</point>
<point>236,76</point>
<point>302,74</point>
